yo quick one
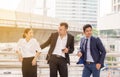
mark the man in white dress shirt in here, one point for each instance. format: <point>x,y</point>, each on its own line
<point>61,45</point>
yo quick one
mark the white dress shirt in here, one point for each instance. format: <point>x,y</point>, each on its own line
<point>60,44</point>
<point>28,49</point>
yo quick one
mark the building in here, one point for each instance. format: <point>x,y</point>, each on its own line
<point>109,27</point>
<point>81,11</point>
<point>115,6</point>
<point>78,11</point>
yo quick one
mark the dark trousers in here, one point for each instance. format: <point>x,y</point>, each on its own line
<point>90,69</point>
<point>27,69</point>
<point>58,64</point>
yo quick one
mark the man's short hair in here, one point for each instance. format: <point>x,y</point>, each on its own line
<point>64,24</point>
<point>86,26</point>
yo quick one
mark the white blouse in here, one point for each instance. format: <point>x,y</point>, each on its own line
<point>28,49</point>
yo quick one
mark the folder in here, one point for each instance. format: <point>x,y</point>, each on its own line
<point>80,61</point>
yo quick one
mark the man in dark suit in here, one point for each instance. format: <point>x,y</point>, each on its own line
<point>61,45</point>
<point>92,52</point>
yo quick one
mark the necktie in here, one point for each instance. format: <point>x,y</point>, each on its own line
<point>86,48</point>
<point>86,45</point>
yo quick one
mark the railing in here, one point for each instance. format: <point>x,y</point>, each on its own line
<point>10,66</point>
<point>39,25</point>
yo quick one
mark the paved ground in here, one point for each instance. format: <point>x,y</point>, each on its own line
<point>103,74</point>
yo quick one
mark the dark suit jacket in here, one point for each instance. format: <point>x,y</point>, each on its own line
<point>52,42</point>
<point>98,51</point>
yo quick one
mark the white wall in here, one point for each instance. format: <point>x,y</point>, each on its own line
<point>109,22</point>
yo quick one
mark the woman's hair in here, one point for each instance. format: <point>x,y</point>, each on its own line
<point>26,31</point>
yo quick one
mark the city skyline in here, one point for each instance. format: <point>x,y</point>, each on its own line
<point>105,6</point>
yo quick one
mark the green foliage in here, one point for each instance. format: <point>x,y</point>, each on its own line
<point>95,33</point>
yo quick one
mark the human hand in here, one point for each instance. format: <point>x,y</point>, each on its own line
<point>98,66</point>
<point>20,59</point>
<point>34,62</point>
<point>79,54</point>
<point>65,50</point>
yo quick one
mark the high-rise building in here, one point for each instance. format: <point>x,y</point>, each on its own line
<point>109,28</point>
<point>115,6</point>
<point>81,11</point>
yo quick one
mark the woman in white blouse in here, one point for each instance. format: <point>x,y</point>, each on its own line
<point>28,50</point>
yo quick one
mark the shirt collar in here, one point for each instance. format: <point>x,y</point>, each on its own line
<point>65,37</point>
<point>87,38</point>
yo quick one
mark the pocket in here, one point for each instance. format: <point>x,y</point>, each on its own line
<point>50,58</point>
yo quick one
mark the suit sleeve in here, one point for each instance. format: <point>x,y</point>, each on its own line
<point>81,43</point>
<point>47,43</point>
<point>71,48</point>
<point>102,51</point>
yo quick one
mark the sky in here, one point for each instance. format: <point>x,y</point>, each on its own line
<point>105,6</point>
<point>9,4</point>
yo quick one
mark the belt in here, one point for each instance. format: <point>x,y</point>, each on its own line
<point>58,56</point>
<point>87,62</point>
<point>28,57</point>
